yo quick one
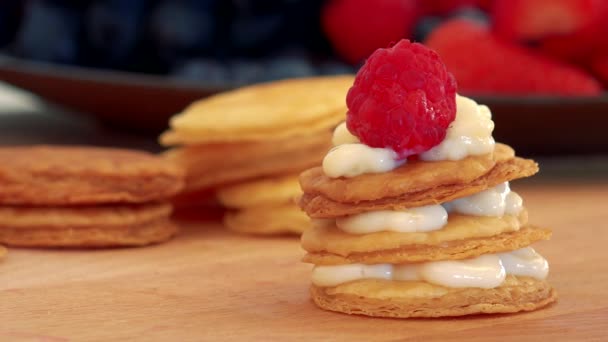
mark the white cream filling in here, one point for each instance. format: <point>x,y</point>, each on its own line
<point>513,204</point>
<point>334,275</point>
<point>486,271</point>
<point>420,219</point>
<point>525,262</point>
<point>469,134</point>
<point>496,201</point>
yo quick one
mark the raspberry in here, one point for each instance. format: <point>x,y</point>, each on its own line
<point>402,98</point>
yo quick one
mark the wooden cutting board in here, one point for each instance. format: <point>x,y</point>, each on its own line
<point>211,285</point>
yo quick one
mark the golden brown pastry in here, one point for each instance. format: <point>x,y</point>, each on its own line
<point>60,196</point>
<point>91,226</point>
<point>262,112</point>
<point>417,184</point>
<point>265,206</point>
<point>418,299</point>
<point>65,175</point>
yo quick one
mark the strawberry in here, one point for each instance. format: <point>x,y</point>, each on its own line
<point>443,7</point>
<point>577,47</point>
<point>356,28</point>
<point>535,19</point>
<point>599,66</point>
<point>483,63</point>
<point>582,44</point>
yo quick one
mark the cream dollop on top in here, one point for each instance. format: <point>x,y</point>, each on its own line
<point>350,158</point>
<point>485,271</point>
<point>343,136</point>
<point>469,134</point>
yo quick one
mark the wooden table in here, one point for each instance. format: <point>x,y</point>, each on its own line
<point>212,285</point>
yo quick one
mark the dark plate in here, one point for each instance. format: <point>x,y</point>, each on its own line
<point>136,101</point>
<point>533,125</point>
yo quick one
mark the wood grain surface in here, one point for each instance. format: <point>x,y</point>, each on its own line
<point>210,285</point>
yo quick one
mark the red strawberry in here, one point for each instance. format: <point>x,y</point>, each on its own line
<point>442,7</point>
<point>483,63</point>
<point>358,27</point>
<point>579,46</point>
<point>599,66</point>
<point>535,19</point>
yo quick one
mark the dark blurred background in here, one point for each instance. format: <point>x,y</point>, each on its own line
<point>540,65</point>
<point>217,42</point>
<point>235,42</point>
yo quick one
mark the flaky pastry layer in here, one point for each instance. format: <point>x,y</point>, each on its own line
<point>401,299</point>
<point>262,112</point>
<point>94,226</point>
<point>326,236</point>
<point>463,237</point>
<point>65,175</point>
<point>412,185</point>
<point>59,217</point>
<point>213,165</point>
<point>141,234</point>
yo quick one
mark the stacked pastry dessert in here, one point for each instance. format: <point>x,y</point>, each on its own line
<point>412,211</point>
<point>249,145</point>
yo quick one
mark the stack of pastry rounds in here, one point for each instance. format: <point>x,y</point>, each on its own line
<point>249,144</point>
<point>265,206</point>
<point>59,196</point>
<point>416,184</point>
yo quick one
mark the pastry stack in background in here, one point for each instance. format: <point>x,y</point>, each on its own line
<point>264,206</point>
<point>54,196</point>
<point>413,214</point>
<point>248,145</point>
